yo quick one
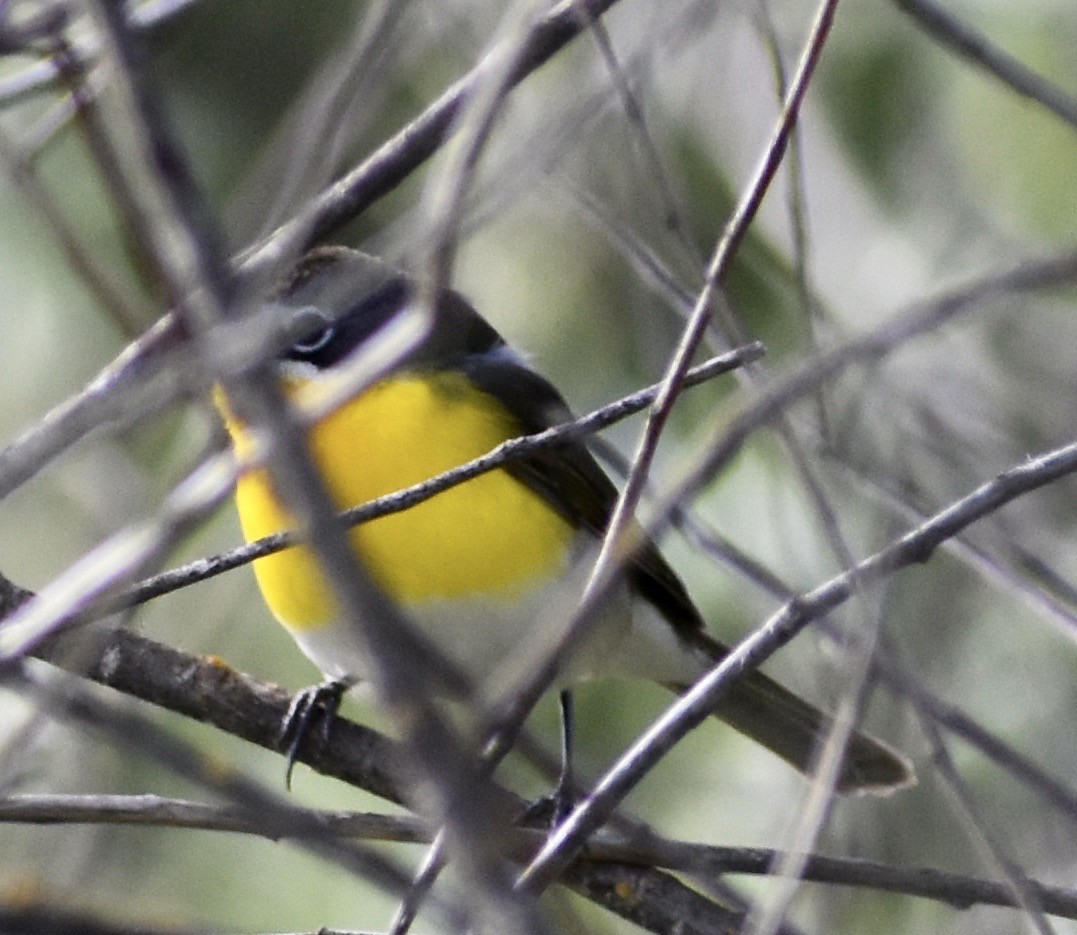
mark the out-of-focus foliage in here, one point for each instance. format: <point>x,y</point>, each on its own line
<point>917,172</point>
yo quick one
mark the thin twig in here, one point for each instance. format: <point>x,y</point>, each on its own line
<point>473,127</point>
<point>994,571</point>
<point>1023,893</point>
<point>325,119</point>
<point>735,231</point>
<point>403,153</point>
<point>697,704</point>
<point>375,177</point>
<point>110,291</point>
<point>105,400</point>
<point>898,678</point>
<point>621,536</point>
<point>116,561</point>
<point>956,34</point>
<point>954,889</point>
<point>171,216</point>
<point>1052,790</point>
<point>673,218</point>
<point>797,207</point>
<point>769,915</point>
<point>515,449</point>
<point>45,74</point>
<point>208,690</point>
<point>64,697</point>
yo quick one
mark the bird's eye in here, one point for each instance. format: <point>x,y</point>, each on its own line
<point>317,329</point>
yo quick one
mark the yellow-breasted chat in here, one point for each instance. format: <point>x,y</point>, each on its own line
<point>485,568</point>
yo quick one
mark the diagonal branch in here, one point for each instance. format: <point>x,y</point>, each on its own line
<point>690,710</point>
<point>951,31</point>
<point>208,690</point>
<point>402,154</point>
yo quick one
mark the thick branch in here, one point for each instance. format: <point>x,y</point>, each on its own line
<point>207,689</point>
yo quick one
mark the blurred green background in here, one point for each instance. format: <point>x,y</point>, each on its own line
<point>918,173</point>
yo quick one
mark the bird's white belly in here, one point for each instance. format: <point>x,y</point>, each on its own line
<point>497,643</point>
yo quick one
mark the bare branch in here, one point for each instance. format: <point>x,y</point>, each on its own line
<point>690,710</point>
<point>735,230</point>
<point>401,155</point>
<point>201,569</point>
<point>208,690</point>
<point>957,35</point>
<point>63,697</point>
<point>958,890</point>
<point>46,74</point>
<point>987,841</point>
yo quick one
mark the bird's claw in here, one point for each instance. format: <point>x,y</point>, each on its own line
<point>318,702</point>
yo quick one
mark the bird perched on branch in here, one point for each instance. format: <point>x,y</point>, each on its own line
<point>489,570</point>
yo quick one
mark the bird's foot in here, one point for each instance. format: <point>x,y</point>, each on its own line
<point>313,704</point>
<point>550,810</point>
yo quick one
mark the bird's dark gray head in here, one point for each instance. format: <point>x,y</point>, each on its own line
<point>344,297</point>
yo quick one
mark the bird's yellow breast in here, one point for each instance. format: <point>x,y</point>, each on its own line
<point>490,537</point>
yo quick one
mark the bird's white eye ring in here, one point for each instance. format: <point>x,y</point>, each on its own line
<point>318,330</point>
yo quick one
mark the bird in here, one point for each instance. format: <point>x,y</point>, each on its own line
<point>487,570</point>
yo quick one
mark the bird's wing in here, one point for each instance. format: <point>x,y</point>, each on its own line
<point>569,478</point>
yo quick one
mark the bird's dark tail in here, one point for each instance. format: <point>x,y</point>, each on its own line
<point>794,729</point>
